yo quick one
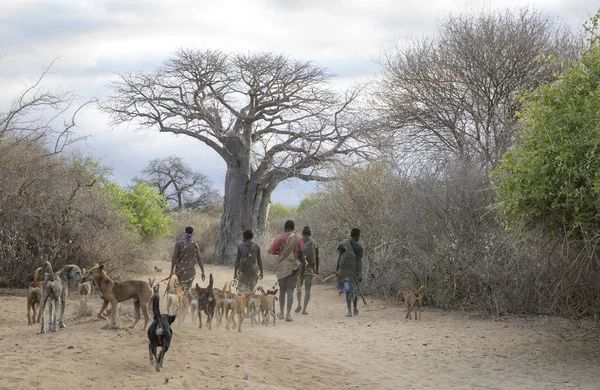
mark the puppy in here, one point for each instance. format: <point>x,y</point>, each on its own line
<point>159,333</point>
<point>413,300</point>
<point>34,297</point>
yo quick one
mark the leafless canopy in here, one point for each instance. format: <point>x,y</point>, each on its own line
<point>274,117</point>
<point>456,94</point>
<point>35,114</point>
<point>179,184</point>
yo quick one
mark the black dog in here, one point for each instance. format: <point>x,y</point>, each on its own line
<point>159,333</point>
<point>206,302</point>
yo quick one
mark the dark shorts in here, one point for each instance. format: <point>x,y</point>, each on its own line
<point>289,282</point>
<point>306,280</point>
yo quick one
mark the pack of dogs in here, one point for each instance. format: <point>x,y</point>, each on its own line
<point>259,306</point>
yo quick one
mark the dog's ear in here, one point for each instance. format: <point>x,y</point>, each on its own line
<point>172,319</point>
<point>101,267</point>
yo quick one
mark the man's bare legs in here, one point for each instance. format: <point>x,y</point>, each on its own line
<point>307,286</point>
<point>286,287</point>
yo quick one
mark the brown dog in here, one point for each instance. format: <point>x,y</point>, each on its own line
<point>206,302</point>
<point>114,292</point>
<point>413,300</point>
<point>34,297</point>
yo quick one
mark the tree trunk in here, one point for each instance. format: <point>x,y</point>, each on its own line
<point>244,207</point>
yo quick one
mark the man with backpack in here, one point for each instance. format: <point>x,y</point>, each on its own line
<point>248,264</point>
<point>289,248</point>
<point>349,269</point>
<point>312,268</point>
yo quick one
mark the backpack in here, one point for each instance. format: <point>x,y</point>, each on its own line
<point>247,263</point>
<point>348,259</point>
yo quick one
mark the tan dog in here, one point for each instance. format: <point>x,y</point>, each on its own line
<point>34,297</point>
<point>175,297</point>
<point>413,300</point>
<point>236,304</point>
<point>114,292</point>
<point>85,288</point>
<point>267,308</point>
<point>220,298</point>
<point>267,305</point>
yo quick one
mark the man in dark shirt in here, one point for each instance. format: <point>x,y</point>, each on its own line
<point>349,269</point>
<point>248,264</point>
<point>312,268</point>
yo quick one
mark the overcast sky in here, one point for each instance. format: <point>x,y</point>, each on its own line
<point>95,39</point>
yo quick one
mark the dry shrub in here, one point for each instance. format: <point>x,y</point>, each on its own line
<point>435,229</point>
<point>83,309</point>
<point>52,209</point>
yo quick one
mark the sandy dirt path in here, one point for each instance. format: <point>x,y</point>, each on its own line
<point>323,350</point>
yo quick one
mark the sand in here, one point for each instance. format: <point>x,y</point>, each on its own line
<point>376,350</point>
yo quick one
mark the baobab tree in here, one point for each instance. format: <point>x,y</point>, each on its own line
<point>270,118</point>
<point>179,183</point>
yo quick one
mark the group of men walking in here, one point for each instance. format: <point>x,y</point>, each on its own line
<point>297,264</point>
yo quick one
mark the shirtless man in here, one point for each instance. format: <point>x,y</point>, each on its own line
<point>289,248</point>
<point>312,268</point>
<point>248,264</point>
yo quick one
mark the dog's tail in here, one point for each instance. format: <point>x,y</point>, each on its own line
<point>419,290</point>
<point>262,290</point>
<point>156,309</point>
<point>36,274</point>
<point>210,284</point>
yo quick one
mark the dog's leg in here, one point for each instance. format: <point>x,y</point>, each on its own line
<point>42,308</point>
<point>35,308</point>
<point>29,313</point>
<point>226,317</point>
<point>136,307</point>
<point>104,305</point>
<point>56,309</point>
<point>39,312</point>
<point>63,302</point>
<point>163,351</point>
<point>240,318</point>
<point>113,306</point>
<point>199,318</point>
<point>151,357</point>
<point>145,313</point>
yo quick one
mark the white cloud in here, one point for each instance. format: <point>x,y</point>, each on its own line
<point>96,38</point>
